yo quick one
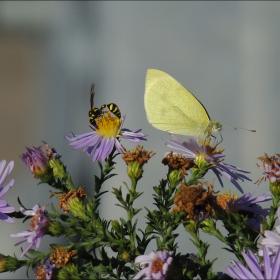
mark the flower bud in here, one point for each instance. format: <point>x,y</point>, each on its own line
<point>8,263</point>
<point>275,189</point>
<point>56,228</point>
<point>115,225</point>
<point>36,161</point>
<point>77,208</point>
<point>68,272</point>
<point>134,170</point>
<point>58,168</point>
<point>175,177</point>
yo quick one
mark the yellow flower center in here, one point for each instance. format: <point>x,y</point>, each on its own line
<point>223,199</point>
<point>201,157</point>
<point>157,265</point>
<point>108,125</point>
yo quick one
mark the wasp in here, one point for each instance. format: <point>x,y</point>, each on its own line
<point>95,112</point>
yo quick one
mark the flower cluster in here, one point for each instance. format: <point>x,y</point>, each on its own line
<point>207,157</point>
<point>269,268</point>
<point>97,248</point>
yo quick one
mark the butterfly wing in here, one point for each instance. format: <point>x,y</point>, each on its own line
<point>171,107</point>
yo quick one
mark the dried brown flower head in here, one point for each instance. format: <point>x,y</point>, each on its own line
<point>223,199</point>
<point>139,155</point>
<point>178,162</point>
<point>61,257</point>
<point>195,201</point>
<point>64,198</point>
<point>40,273</point>
<point>271,168</point>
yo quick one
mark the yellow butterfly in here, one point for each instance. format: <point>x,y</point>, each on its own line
<point>171,107</point>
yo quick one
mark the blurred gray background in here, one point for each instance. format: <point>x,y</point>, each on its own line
<point>226,53</point>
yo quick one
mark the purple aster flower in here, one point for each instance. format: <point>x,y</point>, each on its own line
<point>271,169</point>
<point>4,207</point>
<point>39,227</point>
<point>250,205</point>
<point>36,160</point>
<point>49,266</point>
<point>105,136</point>
<point>204,152</point>
<point>45,271</point>
<point>154,266</point>
<point>269,269</point>
<point>246,203</point>
<point>271,239</point>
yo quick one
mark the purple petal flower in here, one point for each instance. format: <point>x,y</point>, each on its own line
<point>272,239</point>
<point>269,269</point>
<point>154,266</point>
<point>39,227</point>
<point>271,169</point>
<point>105,136</point>
<point>35,160</point>
<point>193,150</point>
<point>45,271</point>
<point>248,204</point>
<point>245,203</point>
<point>4,207</point>
<point>49,266</point>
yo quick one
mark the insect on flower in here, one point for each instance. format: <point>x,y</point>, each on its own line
<point>95,113</point>
<point>107,131</point>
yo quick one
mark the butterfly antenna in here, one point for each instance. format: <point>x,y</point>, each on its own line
<point>236,127</point>
<point>92,96</point>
